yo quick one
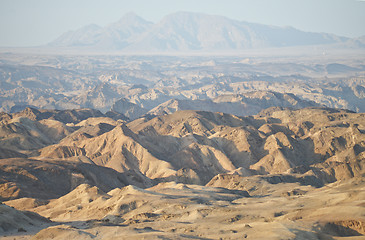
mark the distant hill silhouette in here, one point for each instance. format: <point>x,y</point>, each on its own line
<point>185,31</point>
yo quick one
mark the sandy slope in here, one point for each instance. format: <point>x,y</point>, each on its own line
<point>179,211</point>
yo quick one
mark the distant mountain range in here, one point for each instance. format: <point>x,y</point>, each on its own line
<point>185,31</point>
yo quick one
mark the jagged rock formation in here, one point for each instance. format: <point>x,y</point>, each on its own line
<point>64,116</point>
<point>240,105</point>
<point>98,82</point>
<point>264,175</point>
<point>195,146</point>
<point>31,129</point>
<point>324,143</point>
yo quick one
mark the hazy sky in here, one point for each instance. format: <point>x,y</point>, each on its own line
<point>36,22</point>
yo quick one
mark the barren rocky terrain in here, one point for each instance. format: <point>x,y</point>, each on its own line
<point>182,147</point>
<point>281,174</point>
<point>136,85</point>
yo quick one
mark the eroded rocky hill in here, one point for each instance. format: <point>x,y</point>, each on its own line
<point>135,85</point>
<point>296,173</point>
<point>194,146</point>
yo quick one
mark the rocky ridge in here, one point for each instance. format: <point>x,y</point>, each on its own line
<point>186,174</point>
